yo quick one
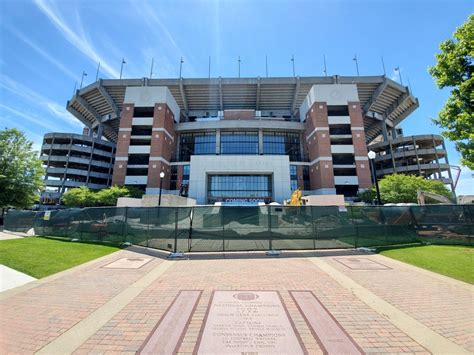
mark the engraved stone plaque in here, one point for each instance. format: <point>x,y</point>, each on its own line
<point>331,335</point>
<point>128,263</point>
<point>250,322</point>
<point>361,264</point>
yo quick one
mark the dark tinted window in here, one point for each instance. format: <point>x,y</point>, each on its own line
<point>336,110</point>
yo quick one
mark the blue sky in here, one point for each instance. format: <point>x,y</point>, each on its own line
<point>45,46</point>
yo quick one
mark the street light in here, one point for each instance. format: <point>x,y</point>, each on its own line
<point>371,156</point>
<point>162,175</point>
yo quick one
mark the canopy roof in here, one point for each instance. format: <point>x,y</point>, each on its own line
<point>381,98</point>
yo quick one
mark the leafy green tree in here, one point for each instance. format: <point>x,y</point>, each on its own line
<point>400,188</point>
<point>79,197</point>
<point>21,172</point>
<point>454,69</point>
<point>84,197</point>
<point>134,192</point>
<point>109,196</point>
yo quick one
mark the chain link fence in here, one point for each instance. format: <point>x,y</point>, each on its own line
<point>232,228</point>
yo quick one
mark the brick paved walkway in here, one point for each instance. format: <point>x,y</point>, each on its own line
<point>383,305</point>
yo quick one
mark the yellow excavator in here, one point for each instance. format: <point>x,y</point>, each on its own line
<point>295,199</point>
<point>421,197</point>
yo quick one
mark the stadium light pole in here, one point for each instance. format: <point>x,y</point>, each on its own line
<point>121,67</point>
<point>356,63</point>
<point>293,63</point>
<point>371,156</point>
<point>397,69</point>
<point>162,175</point>
<point>82,78</point>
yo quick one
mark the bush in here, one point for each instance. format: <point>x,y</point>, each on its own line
<point>84,197</point>
<point>400,188</point>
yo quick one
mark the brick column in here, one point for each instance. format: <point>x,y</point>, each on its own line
<point>299,174</point>
<point>163,144</point>
<point>360,147</point>
<point>318,142</point>
<point>123,142</point>
<point>179,183</point>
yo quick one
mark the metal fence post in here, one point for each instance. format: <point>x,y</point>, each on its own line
<point>270,228</point>
<point>67,224</point>
<point>354,225</point>
<point>223,228</point>
<point>175,229</point>
<point>124,225</point>
<point>81,224</point>
<point>147,226</point>
<point>313,226</point>
<point>190,233</point>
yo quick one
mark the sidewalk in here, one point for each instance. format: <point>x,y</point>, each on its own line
<point>10,278</point>
<point>309,302</point>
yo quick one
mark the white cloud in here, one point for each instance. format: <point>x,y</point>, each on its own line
<point>33,119</point>
<point>38,99</point>
<point>156,26</point>
<point>76,37</point>
<point>45,55</point>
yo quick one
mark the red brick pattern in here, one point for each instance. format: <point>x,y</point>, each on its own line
<point>363,173</point>
<point>299,172</point>
<point>37,316</point>
<point>360,148</point>
<point>321,175</point>
<point>319,145</point>
<point>130,327</point>
<point>443,307</point>
<point>162,146</point>
<point>123,142</point>
<point>239,114</point>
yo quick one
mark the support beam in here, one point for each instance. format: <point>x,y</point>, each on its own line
<point>221,101</point>
<point>78,115</point>
<point>88,107</point>
<point>379,117</point>
<point>295,96</point>
<point>257,104</point>
<point>391,109</point>
<point>183,96</point>
<point>108,98</point>
<point>375,96</point>
<point>407,112</point>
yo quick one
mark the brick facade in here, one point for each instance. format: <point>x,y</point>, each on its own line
<point>360,147</point>
<point>318,144</point>
<point>163,145</point>
<point>123,142</point>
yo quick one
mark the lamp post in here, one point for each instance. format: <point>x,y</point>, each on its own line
<point>162,175</point>
<point>371,156</point>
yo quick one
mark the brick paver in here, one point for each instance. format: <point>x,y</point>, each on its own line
<point>37,316</point>
<point>442,306</point>
<point>129,328</point>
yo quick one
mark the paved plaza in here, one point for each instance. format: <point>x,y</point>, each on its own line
<point>137,300</point>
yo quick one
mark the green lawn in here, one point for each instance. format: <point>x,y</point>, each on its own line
<point>40,257</point>
<point>454,261</point>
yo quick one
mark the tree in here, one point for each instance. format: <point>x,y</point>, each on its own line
<point>400,188</point>
<point>109,196</point>
<point>84,197</point>
<point>21,172</point>
<point>454,69</point>
<point>79,197</point>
